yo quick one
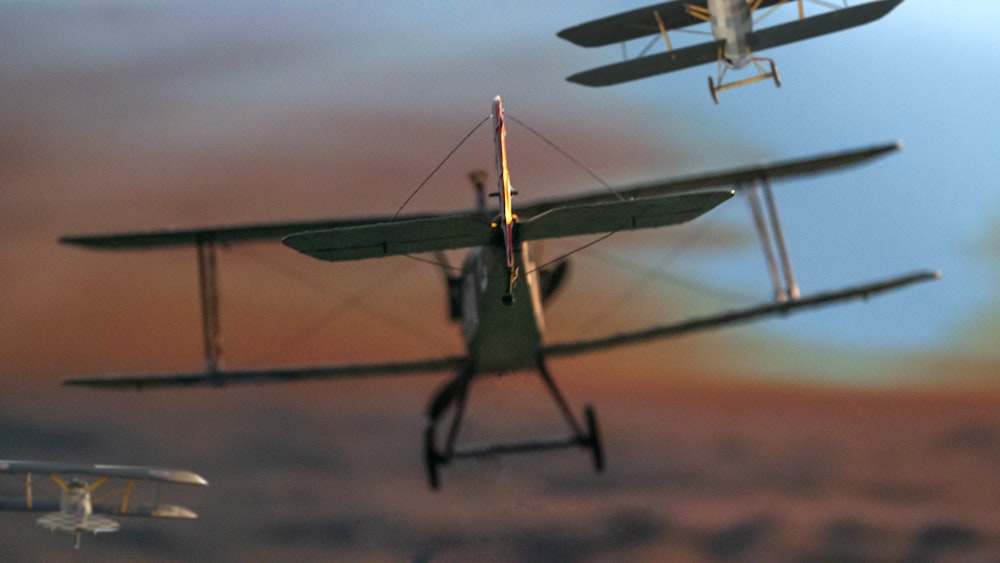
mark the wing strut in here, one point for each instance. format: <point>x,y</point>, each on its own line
<point>772,240</point>
<point>209,290</point>
<point>454,396</point>
<point>28,499</point>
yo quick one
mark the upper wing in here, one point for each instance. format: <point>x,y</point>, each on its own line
<point>632,24</point>
<point>461,224</point>
<point>638,23</point>
<point>814,26</point>
<point>734,177</point>
<point>461,231</point>
<point>121,471</point>
<point>224,234</point>
<point>232,377</point>
<point>737,316</point>
<point>653,204</point>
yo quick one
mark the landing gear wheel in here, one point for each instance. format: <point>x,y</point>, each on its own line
<point>712,90</point>
<point>594,438</point>
<point>431,458</point>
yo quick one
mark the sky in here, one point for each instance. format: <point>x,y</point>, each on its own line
<point>120,116</point>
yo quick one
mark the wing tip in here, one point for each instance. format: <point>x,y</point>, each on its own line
<point>298,242</point>
<point>180,476</point>
<point>576,79</point>
<point>173,511</point>
<point>90,382</point>
<point>566,34</point>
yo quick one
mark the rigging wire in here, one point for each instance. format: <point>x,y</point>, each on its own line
<point>650,274</point>
<point>821,3</point>
<point>589,172</point>
<point>440,263</point>
<point>645,49</point>
<point>438,167</point>
<point>695,233</point>
<point>560,150</point>
<point>574,251</point>
<point>544,139</point>
<point>341,307</point>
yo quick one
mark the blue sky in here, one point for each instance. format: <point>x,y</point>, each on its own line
<point>912,76</point>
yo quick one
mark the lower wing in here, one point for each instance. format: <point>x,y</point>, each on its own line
<point>651,65</point>
<point>146,510</point>
<point>273,375</point>
<point>737,316</point>
<point>454,363</point>
<point>133,509</point>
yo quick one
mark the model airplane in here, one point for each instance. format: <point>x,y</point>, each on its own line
<point>500,294</point>
<point>735,42</point>
<point>75,511</point>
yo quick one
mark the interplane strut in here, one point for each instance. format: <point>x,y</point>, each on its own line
<point>208,285</point>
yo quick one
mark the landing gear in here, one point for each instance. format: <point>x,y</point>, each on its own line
<point>594,439</point>
<point>762,74</point>
<point>431,458</point>
<point>585,436</point>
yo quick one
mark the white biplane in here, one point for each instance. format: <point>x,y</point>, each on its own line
<point>735,42</point>
<point>76,511</point>
<point>499,296</point>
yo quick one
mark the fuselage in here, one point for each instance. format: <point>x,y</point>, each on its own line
<point>501,337</point>
<point>732,22</point>
<point>76,513</point>
<point>501,300</point>
<point>75,501</point>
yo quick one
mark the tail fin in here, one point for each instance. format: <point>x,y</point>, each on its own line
<point>505,219</point>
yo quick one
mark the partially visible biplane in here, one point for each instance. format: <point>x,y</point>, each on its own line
<point>735,42</point>
<point>76,510</point>
<point>499,296</point>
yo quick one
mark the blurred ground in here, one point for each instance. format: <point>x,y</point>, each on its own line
<point>696,471</point>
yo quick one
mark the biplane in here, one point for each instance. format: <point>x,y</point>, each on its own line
<point>500,294</point>
<point>735,43</point>
<point>76,511</point>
